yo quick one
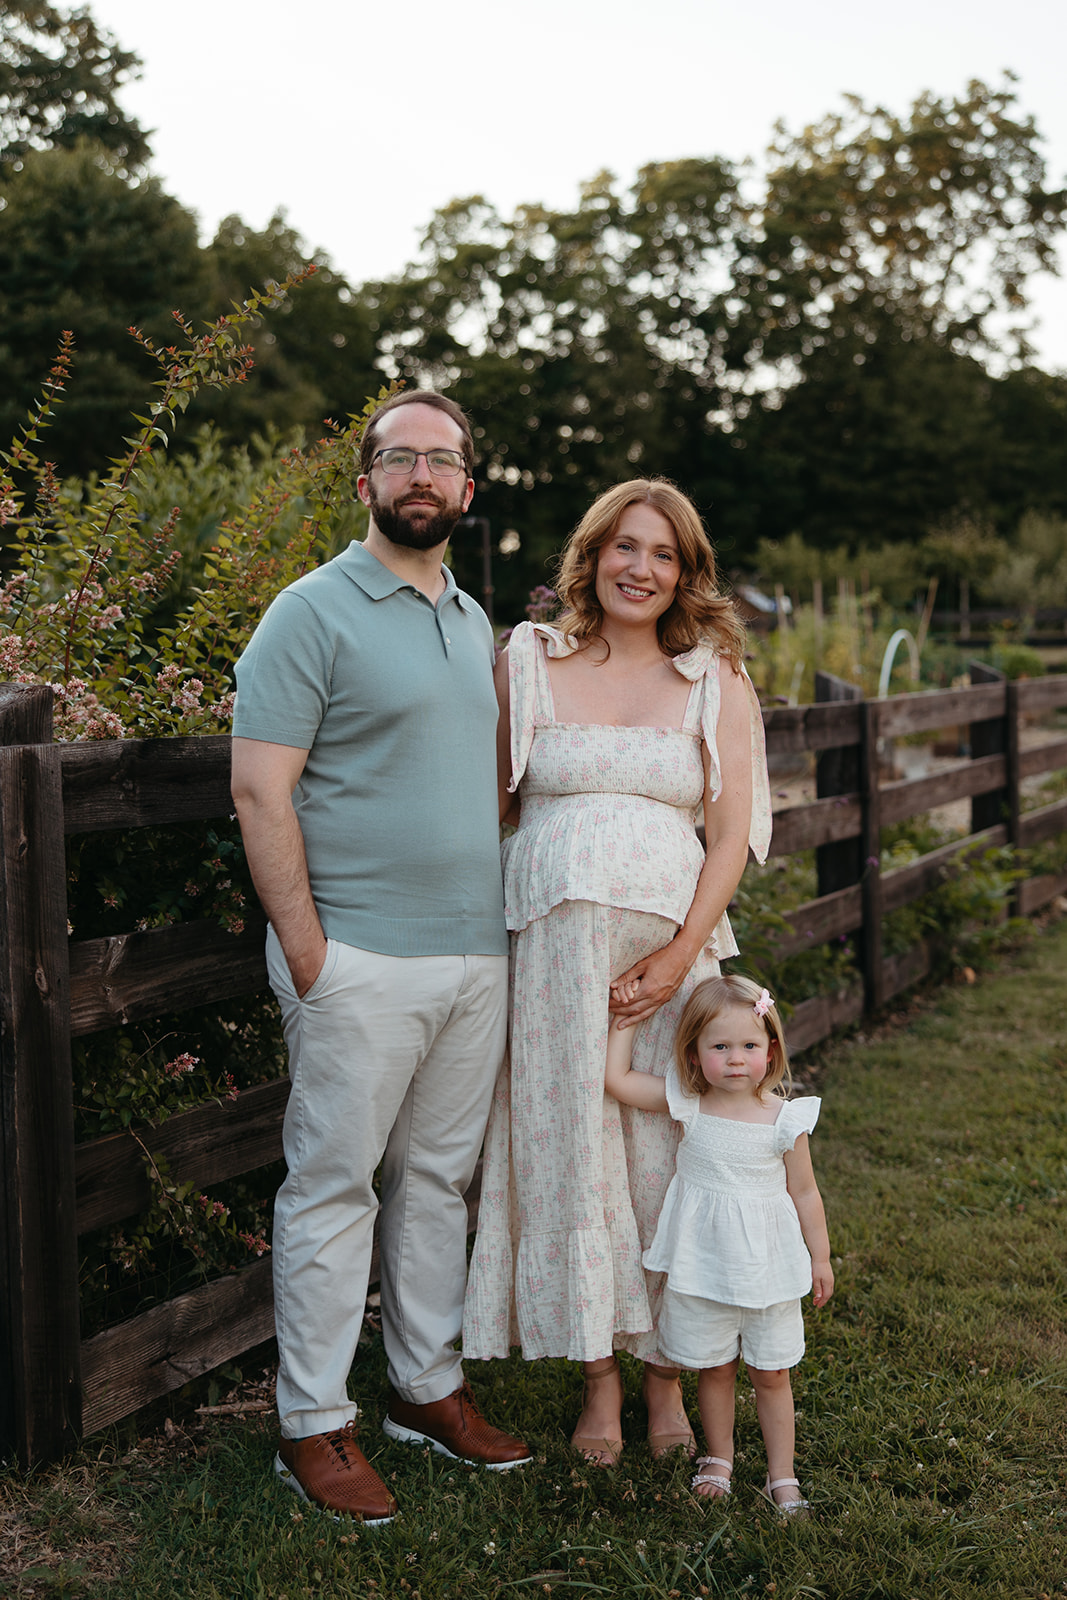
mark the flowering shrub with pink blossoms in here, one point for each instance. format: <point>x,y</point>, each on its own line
<point>86,573</point>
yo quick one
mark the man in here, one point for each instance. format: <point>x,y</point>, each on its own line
<point>364,780</point>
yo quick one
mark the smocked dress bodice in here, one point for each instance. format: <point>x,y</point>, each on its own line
<point>609,813</point>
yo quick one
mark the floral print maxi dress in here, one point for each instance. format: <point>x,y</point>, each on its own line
<point>601,871</point>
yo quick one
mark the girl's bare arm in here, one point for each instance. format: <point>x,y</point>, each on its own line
<point>641,1089</point>
<point>804,1193</point>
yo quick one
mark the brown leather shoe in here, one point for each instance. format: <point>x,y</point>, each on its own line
<point>331,1470</point>
<point>455,1427</point>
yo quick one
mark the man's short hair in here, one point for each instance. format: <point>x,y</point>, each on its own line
<point>417,397</point>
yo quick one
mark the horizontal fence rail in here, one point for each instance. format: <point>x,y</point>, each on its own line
<point>137,975</point>
<point>143,783</point>
<point>56,1387</point>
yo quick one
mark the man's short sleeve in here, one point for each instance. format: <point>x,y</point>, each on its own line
<point>284,675</point>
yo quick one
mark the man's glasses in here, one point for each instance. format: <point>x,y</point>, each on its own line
<point>398,459</point>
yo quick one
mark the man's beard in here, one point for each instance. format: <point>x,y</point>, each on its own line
<point>415,531</point>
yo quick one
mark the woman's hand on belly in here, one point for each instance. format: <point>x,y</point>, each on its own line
<point>641,990</point>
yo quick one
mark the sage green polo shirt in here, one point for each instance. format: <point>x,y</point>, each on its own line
<point>393,699</point>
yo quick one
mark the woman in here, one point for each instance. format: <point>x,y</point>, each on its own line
<point>616,727</point>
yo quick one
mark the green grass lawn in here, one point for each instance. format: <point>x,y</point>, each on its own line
<point>932,1420</point>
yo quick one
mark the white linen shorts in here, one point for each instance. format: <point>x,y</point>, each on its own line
<point>698,1333</point>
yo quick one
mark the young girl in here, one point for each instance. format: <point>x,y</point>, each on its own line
<point>739,1212</point>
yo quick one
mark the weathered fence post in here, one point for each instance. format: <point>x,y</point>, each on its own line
<point>40,1378</point>
<point>1014,722</point>
<point>871,853</point>
<point>851,769</point>
<point>837,771</point>
<point>988,738</point>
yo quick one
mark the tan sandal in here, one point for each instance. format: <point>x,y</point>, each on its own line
<point>665,1443</point>
<point>598,1452</point>
<point>713,1480</point>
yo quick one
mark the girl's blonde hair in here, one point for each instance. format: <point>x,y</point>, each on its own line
<point>697,612</point>
<point>705,1003</point>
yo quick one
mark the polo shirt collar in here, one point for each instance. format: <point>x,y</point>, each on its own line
<point>379,583</point>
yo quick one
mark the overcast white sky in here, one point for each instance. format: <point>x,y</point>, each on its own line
<point>361,119</point>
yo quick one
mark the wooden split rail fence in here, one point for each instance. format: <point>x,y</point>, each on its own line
<point>56,1387</point>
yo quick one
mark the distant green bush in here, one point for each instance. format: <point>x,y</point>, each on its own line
<point>1022,571</point>
<point>1017,661</point>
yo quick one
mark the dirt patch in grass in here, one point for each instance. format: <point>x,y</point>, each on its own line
<point>72,1529</point>
<point>59,1533</point>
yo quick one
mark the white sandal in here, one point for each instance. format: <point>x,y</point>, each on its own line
<point>796,1507</point>
<point>714,1479</point>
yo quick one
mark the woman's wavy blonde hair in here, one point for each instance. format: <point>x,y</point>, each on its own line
<point>698,613</point>
<point>705,1003</point>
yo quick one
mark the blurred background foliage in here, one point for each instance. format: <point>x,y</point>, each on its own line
<point>830,355</point>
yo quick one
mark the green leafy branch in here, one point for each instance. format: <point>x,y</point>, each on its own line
<point>83,608</point>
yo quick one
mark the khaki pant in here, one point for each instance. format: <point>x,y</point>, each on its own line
<point>392,1061</point>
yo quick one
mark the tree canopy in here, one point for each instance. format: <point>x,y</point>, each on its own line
<point>935,220</point>
<point>85,250</point>
<point>814,356</point>
<point>837,347</point>
<point>60,76</point>
<point>314,358</point>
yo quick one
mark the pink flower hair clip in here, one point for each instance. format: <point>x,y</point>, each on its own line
<point>763,1004</point>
